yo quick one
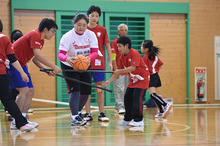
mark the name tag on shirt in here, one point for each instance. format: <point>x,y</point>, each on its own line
<point>97,62</point>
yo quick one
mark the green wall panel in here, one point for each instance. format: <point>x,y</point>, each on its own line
<point>133,10</point>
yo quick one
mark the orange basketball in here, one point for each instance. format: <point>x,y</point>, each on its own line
<point>81,63</point>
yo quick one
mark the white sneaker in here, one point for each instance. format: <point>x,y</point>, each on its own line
<point>102,117</point>
<point>124,123</point>
<point>136,124</point>
<point>167,109</point>
<point>33,124</point>
<point>27,128</point>
<point>121,111</point>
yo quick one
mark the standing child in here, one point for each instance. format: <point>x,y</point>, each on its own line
<point>29,48</point>
<point>120,83</point>
<point>16,34</point>
<point>94,13</point>
<point>6,51</point>
<point>154,63</point>
<point>77,41</point>
<point>131,62</point>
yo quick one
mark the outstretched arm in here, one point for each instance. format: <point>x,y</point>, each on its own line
<point>117,73</point>
<point>44,61</point>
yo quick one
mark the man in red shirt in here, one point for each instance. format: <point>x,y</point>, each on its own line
<point>93,13</point>
<point>6,51</point>
<point>26,48</point>
<point>120,83</point>
<point>131,62</point>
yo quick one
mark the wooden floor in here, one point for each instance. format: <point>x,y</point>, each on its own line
<point>184,126</point>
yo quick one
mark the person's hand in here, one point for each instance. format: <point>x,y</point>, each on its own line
<point>55,71</point>
<point>117,72</point>
<point>70,60</point>
<point>110,66</point>
<point>24,77</point>
<point>105,85</point>
<point>88,60</point>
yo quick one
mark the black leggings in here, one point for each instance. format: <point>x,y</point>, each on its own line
<point>9,103</point>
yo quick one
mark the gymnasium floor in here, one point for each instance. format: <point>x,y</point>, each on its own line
<point>184,126</point>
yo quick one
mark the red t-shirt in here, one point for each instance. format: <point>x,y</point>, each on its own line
<point>102,36</point>
<point>114,49</point>
<point>24,46</point>
<point>5,49</point>
<point>133,58</point>
<point>153,65</point>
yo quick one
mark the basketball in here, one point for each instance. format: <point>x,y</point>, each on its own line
<point>81,63</point>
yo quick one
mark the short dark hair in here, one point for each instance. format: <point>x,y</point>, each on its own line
<point>80,16</point>
<point>47,23</point>
<point>94,9</point>
<point>1,25</point>
<point>124,40</point>
<point>16,34</point>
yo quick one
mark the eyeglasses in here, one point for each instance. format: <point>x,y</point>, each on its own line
<point>53,31</point>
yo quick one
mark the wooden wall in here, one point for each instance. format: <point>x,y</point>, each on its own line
<point>204,25</point>
<point>168,32</point>
<point>5,16</point>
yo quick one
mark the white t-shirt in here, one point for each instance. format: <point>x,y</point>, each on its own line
<point>75,44</point>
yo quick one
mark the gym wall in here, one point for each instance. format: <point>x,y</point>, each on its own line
<point>168,31</point>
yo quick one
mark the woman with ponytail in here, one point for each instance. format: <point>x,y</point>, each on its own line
<point>154,63</point>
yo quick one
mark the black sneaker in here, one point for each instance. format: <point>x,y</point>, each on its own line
<point>78,121</point>
<point>88,117</point>
<point>103,118</point>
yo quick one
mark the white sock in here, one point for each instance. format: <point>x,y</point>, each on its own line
<point>79,112</point>
<point>24,114</point>
<point>73,116</point>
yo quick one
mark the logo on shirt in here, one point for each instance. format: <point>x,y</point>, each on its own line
<point>129,59</point>
<point>37,43</point>
<point>98,34</point>
<point>81,47</point>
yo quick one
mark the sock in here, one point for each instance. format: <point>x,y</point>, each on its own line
<point>24,114</point>
<point>73,116</point>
